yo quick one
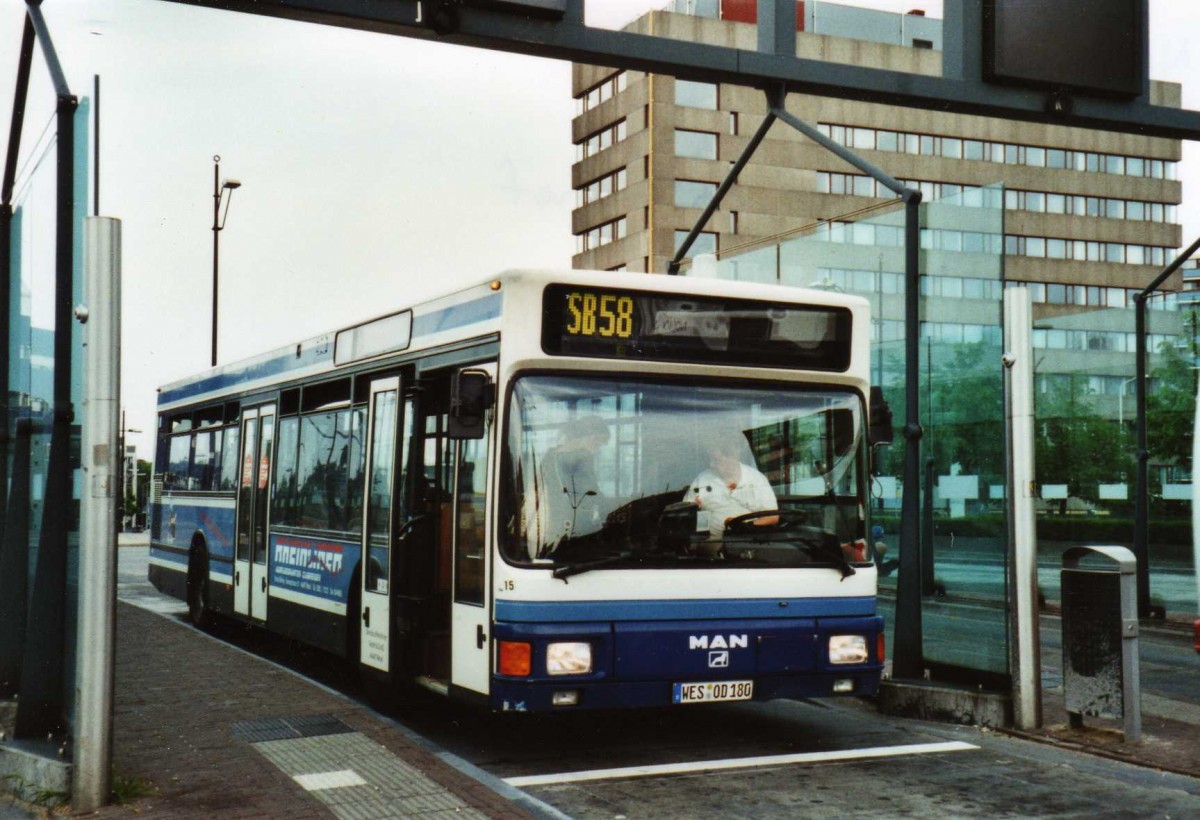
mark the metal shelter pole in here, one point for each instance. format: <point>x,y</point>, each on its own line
<point>95,639</point>
<point>1141,507</point>
<point>907,649</point>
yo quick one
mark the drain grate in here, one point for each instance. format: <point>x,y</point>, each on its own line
<point>288,728</point>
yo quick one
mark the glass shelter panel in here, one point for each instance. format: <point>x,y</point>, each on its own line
<point>961,388</point>
<point>1086,438</point>
<point>1173,344</point>
<point>42,528</point>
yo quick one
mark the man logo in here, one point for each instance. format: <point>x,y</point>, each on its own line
<point>718,642</point>
<point>718,660</point>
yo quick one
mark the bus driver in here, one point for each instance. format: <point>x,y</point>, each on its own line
<point>729,488</point>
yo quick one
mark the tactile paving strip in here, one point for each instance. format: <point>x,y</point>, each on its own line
<point>354,776</point>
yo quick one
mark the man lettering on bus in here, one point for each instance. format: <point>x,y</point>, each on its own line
<point>730,488</point>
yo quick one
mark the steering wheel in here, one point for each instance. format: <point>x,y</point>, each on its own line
<point>788,519</point>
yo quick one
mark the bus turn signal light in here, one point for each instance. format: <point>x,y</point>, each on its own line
<point>515,659</point>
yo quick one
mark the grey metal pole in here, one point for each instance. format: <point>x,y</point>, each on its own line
<point>216,229</point>
<point>908,651</point>
<point>1025,648</point>
<point>95,644</point>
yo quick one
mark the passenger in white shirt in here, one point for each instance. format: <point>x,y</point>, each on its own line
<point>729,488</point>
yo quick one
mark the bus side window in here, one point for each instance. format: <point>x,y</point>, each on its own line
<point>178,463</point>
<point>230,458</point>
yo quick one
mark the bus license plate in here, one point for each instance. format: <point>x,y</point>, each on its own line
<point>713,691</point>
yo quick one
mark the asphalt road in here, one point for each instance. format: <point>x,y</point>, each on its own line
<point>783,759</point>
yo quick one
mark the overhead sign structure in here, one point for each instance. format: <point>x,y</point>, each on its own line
<point>1105,54</point>
<point>1111,95</point>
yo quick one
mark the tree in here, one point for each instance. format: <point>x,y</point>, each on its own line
<point>965,411</point>
<point>1170,408</point>
<point>1073,444</point>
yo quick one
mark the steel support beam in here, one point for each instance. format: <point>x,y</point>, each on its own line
<point>726,184</point>
<point>569,39</point>
<point>1141,504</point>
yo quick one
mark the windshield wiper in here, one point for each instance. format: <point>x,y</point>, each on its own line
<point>835,552</point>
<point>566,571</point>
<point>815,543</point>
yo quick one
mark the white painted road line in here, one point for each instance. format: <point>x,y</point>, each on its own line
<point>739,763</point>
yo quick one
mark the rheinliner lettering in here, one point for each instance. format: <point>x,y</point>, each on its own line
<point>718,642</point>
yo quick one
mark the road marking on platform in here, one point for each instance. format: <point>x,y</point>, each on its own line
<point>739,763</point>
<point>329,780</point>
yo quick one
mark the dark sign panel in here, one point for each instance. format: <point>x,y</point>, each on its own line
<point>1089,46</point>
<point>628,324</point>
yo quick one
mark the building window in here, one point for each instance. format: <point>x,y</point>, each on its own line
<point>600,93</point>
<point>597,142</point>
<point>706,242</point>
<point>696,95</point>
<point>600,188</point>
<point>695,144</point>
<point>601,235</point>
<point>1033,155</point>
<point>919,43</point>
<point>689,194</point>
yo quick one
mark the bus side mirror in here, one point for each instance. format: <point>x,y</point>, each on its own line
<point>880,430</point>
<point>472,394</point>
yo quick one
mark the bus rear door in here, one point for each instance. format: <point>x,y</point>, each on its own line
<point>379,523</point>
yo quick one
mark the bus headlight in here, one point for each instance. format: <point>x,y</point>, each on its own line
<point>568,658</point>
<point>847,649</point>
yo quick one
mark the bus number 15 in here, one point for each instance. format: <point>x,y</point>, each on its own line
<point>592,314</point>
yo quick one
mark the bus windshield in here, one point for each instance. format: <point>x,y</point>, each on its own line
<point>618,472</point>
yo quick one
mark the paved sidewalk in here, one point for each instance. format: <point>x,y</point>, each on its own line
<point>215,731</point>
<point>1170,728</point>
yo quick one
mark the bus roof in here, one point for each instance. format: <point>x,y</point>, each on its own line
<point>471,312</point>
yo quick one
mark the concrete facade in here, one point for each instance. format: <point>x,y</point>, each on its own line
<point>1116,191</point>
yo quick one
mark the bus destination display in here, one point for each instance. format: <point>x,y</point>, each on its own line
<point>599,322</point>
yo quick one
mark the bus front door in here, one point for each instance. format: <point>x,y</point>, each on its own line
<point>380,521</point>
<point>254,481</point>
<point>470,660</point>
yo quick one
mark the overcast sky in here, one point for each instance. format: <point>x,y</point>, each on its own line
<point>375,170</point>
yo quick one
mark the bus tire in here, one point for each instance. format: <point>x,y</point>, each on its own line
<point>199,612</point>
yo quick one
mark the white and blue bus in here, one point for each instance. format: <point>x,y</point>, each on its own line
<point>550,491</point>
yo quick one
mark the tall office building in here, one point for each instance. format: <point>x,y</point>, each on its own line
<point>1089,216</point>
<point>1085,218</point>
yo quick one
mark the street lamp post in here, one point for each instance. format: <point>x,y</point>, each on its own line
<point>124,472</point>
<point>218,225</point>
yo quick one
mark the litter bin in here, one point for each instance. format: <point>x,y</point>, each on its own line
<point>1100,637</point>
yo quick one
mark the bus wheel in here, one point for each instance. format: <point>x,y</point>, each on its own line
<point>197,588</point>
